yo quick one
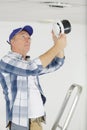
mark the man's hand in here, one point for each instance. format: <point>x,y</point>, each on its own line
<point>60,40</point>
<point>61,43</point>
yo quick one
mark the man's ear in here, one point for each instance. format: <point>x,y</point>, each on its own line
<point>12,42</point>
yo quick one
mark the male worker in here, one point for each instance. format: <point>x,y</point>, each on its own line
<point>19,78</point>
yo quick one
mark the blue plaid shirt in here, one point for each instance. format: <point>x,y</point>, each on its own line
<point>14,78</point>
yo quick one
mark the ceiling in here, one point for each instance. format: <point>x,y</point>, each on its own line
<point>43,10</point>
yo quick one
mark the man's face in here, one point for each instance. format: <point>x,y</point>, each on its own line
<point>21,42</point>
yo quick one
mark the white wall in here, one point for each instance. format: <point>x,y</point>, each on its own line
<point>56,84</point>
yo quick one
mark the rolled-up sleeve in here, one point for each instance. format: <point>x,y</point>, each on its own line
<point>53,66</point>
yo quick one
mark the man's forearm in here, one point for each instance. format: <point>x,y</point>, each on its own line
<point>56,50</point>
<point>47,57</point>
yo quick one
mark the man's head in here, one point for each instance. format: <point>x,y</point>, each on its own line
<point>20,39</point>
<point>26,28</point>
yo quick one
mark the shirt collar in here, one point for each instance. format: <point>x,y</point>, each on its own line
<point>18,56</point>
<point>15,54</point>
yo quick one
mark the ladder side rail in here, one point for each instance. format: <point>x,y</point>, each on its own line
<point>79,90</point>
<point>61,110</point>
<point>71,112</point>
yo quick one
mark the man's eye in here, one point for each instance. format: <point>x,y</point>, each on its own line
<point>23,36</point>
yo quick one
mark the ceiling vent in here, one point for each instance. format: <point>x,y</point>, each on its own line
<point>57,4</point>
<point>62,4</point>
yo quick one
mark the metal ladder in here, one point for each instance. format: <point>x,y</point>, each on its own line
<point>72,108</point>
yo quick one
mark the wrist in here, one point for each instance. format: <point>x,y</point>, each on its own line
<point>60,54</point>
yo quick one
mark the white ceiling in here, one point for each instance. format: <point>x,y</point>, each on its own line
<point>43,10</point>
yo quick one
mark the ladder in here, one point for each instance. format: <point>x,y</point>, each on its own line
<point>71,110</point>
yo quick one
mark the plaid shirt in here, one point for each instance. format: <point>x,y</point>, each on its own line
<point>14,79</point>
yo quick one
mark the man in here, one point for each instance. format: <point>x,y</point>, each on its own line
<point>19,78</point>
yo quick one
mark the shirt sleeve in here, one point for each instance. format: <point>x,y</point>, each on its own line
<point>53,66</point>
<point>20,67</point>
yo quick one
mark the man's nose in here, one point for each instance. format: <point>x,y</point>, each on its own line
<point>27,39</point>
